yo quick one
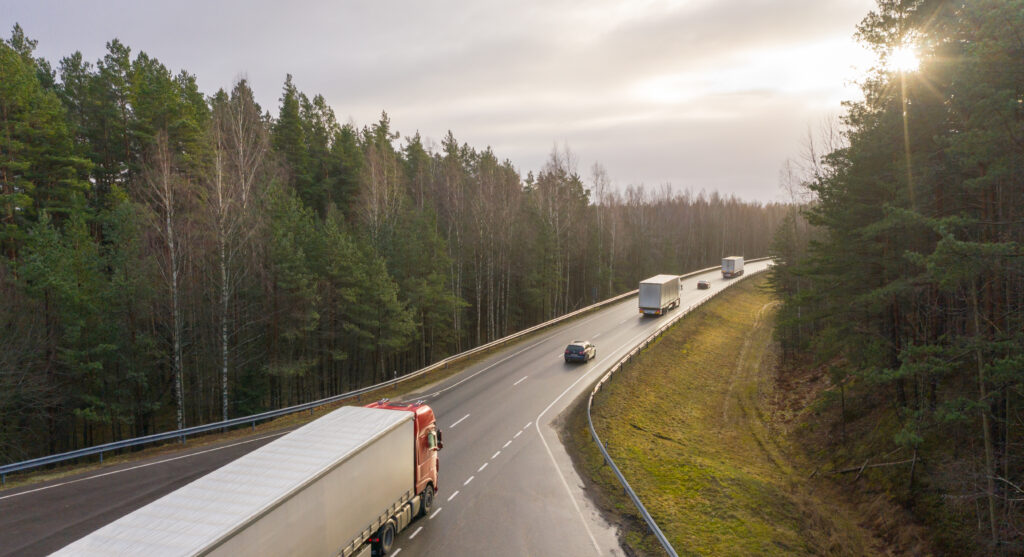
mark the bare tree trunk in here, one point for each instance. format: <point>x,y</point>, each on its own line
<point>985,426</point>
<point>225,297</point>
<point>162,193</point>
<point>239,140</point>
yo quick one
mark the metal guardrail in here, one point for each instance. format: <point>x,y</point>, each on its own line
<point>183,434</point>
<point>618,365</point>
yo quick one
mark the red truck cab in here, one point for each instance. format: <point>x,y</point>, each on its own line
<point>428,443</point>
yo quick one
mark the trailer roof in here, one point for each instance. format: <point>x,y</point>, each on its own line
<point>198,515</point>
<point>660,279</point>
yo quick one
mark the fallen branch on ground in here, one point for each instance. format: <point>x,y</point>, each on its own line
<point>864,466</point>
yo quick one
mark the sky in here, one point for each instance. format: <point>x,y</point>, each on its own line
<point>710,95</point>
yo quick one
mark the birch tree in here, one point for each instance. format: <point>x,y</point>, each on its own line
<point>163,192</point>
<point>235,188</point>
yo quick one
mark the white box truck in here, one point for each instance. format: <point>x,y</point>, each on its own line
<point>344,484</point>
<point>732,266</point>
<point>659,294</point>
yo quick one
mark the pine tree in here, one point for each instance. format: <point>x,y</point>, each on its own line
<point>38,169</point>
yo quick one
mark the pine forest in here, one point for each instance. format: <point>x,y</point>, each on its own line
<point>173,258</point>
<point>903,275</point>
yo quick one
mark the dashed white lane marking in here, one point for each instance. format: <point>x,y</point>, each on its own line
<point>433,514</point>
<point>413,535</point>
<point>506,358</point>
<point>597,335</point>
<point>399,550</point>
<point>520,381</point>
<point>495,455</point>
<point>518,434</point>
<point>465,483</point>
<point>507,443</point>
<point>144,465</point>
<point>528,424</point>
<point>452,496</point>
<point>459,421</point>
<point>481,468</point>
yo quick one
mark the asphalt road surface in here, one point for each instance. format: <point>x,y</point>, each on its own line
<point>507,486</point>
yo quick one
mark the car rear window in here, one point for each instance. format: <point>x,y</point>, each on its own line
<point>575,348</point>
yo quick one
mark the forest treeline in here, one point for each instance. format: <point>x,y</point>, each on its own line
<point>904,275</point>
<point>172,258</point>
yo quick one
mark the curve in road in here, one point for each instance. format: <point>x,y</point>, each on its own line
<point>507,485</point>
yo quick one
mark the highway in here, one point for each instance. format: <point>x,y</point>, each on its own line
<point>507,486</point>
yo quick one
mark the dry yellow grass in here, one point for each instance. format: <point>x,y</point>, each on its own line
<point>690,426</point>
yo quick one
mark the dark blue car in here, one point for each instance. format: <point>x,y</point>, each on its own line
<point>580,351</point>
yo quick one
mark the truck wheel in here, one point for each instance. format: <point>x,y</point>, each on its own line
<point>427,498</point>
<point>385,538</point>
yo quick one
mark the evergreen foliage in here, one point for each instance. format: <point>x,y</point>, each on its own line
<point>174,259</point>
<point>912,289</point>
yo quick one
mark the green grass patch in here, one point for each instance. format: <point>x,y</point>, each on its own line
<point>691,424</point>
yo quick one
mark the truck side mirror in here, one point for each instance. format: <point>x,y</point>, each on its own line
<point>440,440</point>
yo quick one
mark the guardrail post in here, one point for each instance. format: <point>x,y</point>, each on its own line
<point>101,457</point>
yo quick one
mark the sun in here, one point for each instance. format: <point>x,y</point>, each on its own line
<point>904,59</point>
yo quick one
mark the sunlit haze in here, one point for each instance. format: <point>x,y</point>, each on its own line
<point>704,95</point>
<point>904,59</point>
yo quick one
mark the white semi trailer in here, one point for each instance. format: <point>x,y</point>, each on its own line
<point>659,294</point>
<point>345,484</point>
<point>732,266</point>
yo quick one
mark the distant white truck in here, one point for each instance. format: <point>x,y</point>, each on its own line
<point>732,266</point>
<point>659,294</point>
<point>344,484</point>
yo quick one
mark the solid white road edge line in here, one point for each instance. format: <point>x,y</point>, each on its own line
<point>552,455</point>
<point>435,394</point>
<point>145,465</point>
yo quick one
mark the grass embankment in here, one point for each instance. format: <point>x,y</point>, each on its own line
<point>695,427</point>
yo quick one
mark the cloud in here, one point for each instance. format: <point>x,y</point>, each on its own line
<point>701,93</point>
